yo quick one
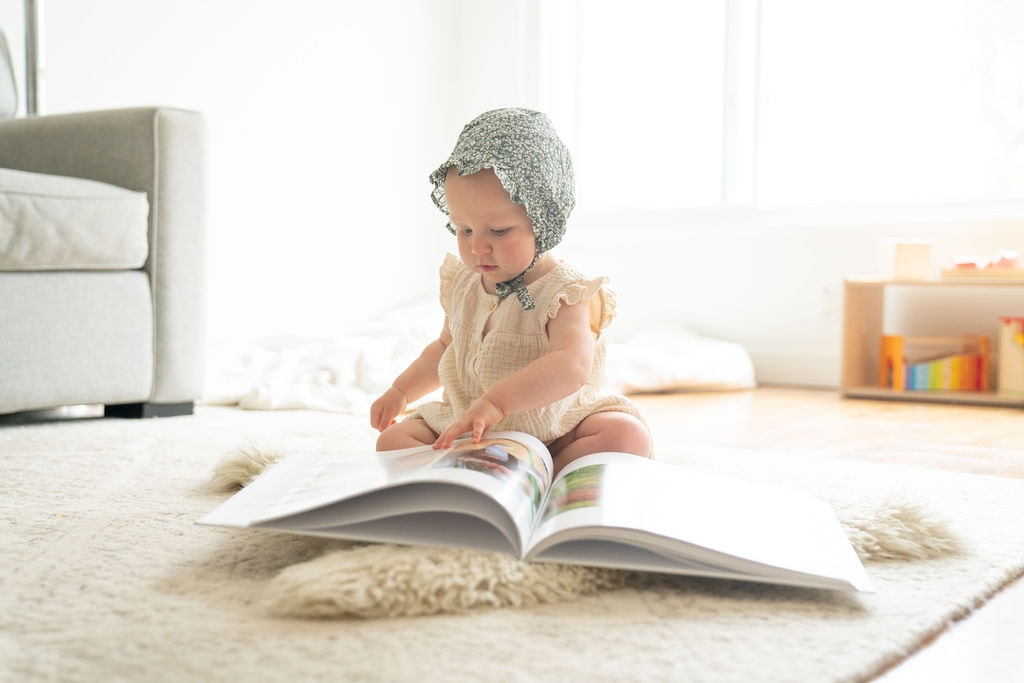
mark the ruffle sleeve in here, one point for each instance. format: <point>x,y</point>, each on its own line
<point>449,270</point>
<point>602,310</point>
<point>600,298</point>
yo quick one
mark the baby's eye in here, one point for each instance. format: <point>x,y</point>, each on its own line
<point>500,231</point>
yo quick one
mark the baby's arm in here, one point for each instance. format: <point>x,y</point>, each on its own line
<point>416,381</point>
<point>563,370</point>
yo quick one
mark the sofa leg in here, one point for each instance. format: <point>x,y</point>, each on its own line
<point>139,410</point>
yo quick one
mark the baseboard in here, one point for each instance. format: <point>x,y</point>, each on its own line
<point>143,410</point>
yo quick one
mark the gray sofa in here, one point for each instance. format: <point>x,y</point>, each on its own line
<point>102,232</point>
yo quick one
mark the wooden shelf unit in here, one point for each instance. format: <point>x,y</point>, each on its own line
<point>864,303</point>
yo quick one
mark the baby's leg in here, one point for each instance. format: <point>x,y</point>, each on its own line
<point>600,432</point>
<point>406,434</point>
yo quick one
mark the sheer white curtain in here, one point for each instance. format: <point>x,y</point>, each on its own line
<point>788,103</point>
<point>891,100</point>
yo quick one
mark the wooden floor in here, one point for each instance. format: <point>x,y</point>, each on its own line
<point>984,646</point>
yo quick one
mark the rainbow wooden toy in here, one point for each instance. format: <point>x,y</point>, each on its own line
<point>939,363</point>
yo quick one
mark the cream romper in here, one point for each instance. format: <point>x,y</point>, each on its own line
<point>493,338</point>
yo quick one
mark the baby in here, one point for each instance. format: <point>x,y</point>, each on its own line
<point>521,346</point>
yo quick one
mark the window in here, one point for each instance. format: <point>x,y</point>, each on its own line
<point>650,95</point>
<point>789,103</point>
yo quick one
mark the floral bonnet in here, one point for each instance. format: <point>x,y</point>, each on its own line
<point>534,167</point>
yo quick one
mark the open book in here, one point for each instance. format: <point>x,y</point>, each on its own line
<point>606,510</point>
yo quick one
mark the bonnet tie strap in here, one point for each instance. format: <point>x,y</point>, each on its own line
<point>516,284</point>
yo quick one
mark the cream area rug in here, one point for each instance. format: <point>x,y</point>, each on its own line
<point>105,577</point>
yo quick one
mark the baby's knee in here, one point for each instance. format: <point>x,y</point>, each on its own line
<point>625,433</point>
<point>386,440</point>
<point>636,437</point>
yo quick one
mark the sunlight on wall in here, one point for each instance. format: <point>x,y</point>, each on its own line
<point>651,91</point>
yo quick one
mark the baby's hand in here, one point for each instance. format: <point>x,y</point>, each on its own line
<point>478,419</point>
<point>386,408</point>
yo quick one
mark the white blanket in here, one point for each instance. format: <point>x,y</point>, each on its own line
<point>346,374</point>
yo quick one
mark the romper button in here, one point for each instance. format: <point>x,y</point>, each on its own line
<point>491,306</point>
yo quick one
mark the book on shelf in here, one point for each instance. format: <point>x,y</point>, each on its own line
<point>604,510</point>
<point>1011,357</point>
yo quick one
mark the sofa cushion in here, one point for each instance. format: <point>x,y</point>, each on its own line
<point>75,337</point>
<point>50,222</point>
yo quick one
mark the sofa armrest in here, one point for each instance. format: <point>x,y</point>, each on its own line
<point>162,152</point>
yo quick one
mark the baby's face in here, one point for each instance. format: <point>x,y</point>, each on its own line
<point>495,235</point>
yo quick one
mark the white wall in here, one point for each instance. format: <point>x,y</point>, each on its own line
<point>325,119</point>
<point>773,285</point>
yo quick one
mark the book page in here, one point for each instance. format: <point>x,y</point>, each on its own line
<point>695,516</point>
<point>503,480</point>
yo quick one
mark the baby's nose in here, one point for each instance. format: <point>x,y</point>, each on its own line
<point>480,245</point>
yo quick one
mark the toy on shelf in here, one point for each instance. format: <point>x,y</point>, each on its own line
<point>934,363</point>
<point>1011,357</point>
<point>1002,265</point>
